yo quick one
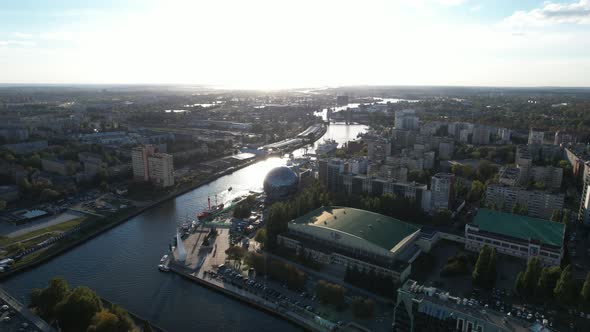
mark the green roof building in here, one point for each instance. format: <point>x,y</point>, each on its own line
<point>357,237</point>
<point>516,235</point>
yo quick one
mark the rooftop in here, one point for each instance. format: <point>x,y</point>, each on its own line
<point>383,231</point>
<point>521,227</point>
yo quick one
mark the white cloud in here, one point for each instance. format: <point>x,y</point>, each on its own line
<point>475,8</point>
<point>22,35</point>
<point>16,43</point>
<point>57,35</point>
<point>447,3</point>
<point>551,13</point>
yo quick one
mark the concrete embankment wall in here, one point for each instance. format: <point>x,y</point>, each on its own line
<point>249,301</point>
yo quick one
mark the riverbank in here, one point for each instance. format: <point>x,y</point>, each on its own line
<point>53,252</point>
<point>115,220</point>
<point>252,300</point>
<point>138,320</point>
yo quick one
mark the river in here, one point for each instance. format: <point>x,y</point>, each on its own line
<point>120,264</point>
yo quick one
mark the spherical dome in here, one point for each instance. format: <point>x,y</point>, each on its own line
<point>281,182</point>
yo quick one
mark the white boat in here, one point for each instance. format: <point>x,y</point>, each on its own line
<point>327,146</point>
<point>163,268</point>
<point>164,258</point>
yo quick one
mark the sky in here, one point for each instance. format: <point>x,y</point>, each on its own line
<point>276,44</point>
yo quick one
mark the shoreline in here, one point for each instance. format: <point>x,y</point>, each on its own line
<point>123,219</point>
<point>246,300</point>
<point>136,212</point>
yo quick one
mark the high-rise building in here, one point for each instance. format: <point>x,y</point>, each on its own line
<point>378,148</point>
<point>445,150</point>
<point>536,136</point>
<point>342,100</point>
<point>151,166</point>
<point>538,203</point>
<point>406,119</point>
<point>481,135</point>
<point>442,188</point>
<point>161,169</point>
<point>562,137</point>
<point>504,134</point>
<point>584,213</point>
<point>139,161</point>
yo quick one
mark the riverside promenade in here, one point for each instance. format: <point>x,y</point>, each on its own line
<point>201,261</point>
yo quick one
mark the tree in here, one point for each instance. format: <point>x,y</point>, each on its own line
<point>363,307</point>
<point>330,293</point>
<point>147,327</point>
<point>526,283</point>
<point>484,273</point>
<point>24,185</point>
<point>485,170</point>
<point>476,191</point>
<point>45,300</point>
<point>49,195</point>
<point>547,282</point>
<point>76,311</point>
<point>124,322</point>
<point>565,289</point>
<point>585,292</point>
<point>557,215</point>
<point>104,321</point>
<point>235,253</point>
<point>442,217</point>
<point>260,236</point>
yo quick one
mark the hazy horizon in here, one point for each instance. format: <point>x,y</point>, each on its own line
<point>269,45</point>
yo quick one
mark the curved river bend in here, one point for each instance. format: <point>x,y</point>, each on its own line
<point>120,264</point>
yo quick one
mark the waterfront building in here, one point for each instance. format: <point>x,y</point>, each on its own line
<point>355,238</point>
<point>280,183</point>
<point>536,136</point>
<point>538,203</point>
<point>139,161</point>
<point>151,166</point>
<point>420,309</point>
<point>161,169</point>
<point>442,188</point>
<point>516,235</point>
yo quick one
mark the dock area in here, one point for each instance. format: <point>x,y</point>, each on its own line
<point>201,266</point>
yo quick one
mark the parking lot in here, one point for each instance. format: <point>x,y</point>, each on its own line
<point>14,318</point>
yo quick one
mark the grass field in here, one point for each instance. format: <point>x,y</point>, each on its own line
<point>62,227</point>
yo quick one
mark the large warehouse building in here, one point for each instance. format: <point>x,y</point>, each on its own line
<point>516,235</point>
<point>353,237</point>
